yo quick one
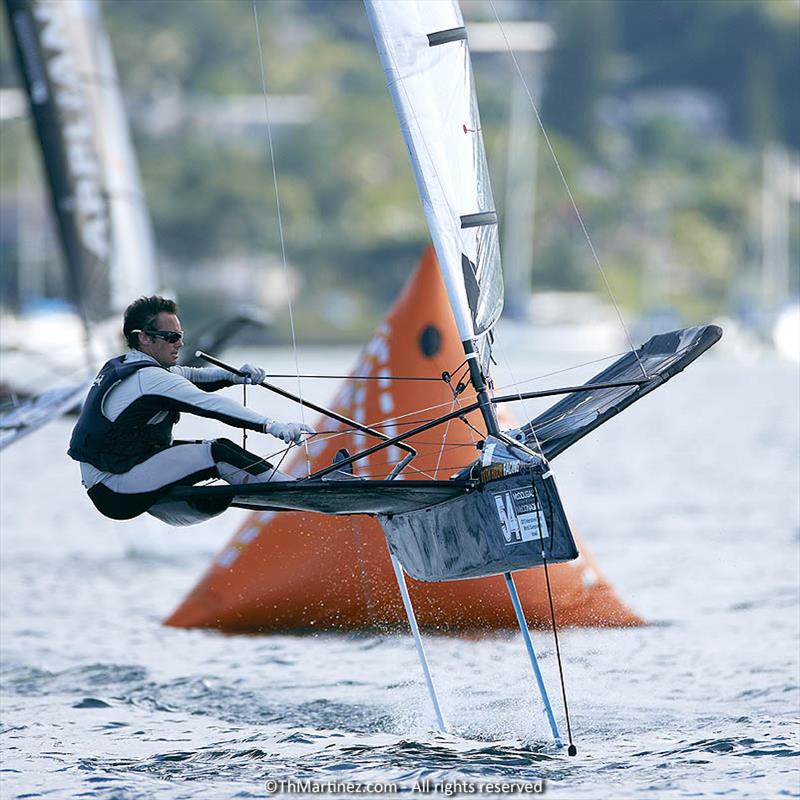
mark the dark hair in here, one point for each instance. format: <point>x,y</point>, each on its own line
<point>141,314</point>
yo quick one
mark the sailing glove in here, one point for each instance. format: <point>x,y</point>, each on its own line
<point>289,432</point>
<point>252,374</point>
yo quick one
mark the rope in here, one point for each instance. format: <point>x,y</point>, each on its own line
<point>402,421</point>
<point>280,222</point>
<point>572,750</point>
<point>428,473</point>
<point>568,191</point>
<point>444,436</point>
<point>437,406</point>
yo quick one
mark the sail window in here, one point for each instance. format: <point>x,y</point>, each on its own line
<point>470,283</point>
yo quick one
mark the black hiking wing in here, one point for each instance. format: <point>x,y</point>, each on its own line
<point>330,497</point>
<point>662,356</point>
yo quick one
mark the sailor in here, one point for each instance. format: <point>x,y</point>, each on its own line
<point>123,437</point>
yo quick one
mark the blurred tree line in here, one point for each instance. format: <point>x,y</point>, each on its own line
<point>744,52</point>
<point>658,111</point>
<point>668,110</point>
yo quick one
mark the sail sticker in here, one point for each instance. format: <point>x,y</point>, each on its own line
<point>450,35</point>
<point>521,517</point>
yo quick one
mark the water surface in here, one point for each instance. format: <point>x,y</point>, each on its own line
<point>689,501</point>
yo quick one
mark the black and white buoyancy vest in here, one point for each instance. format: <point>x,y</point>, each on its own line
<point>127,441</point>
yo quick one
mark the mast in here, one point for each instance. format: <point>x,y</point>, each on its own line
<point>423,49</point>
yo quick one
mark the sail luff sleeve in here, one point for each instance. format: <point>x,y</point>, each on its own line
<point>425,56</point>
<point>332,497</point>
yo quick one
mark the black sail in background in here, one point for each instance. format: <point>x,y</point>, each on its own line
<point>68,70</point>
<point>59,106</point>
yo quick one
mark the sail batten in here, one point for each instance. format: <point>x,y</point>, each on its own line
<point>481,218</point>
<point>450,35</point>
<point>425,56</point>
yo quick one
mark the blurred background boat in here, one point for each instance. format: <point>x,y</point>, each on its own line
<point>66,321</point>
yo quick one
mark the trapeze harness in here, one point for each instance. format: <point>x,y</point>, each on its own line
<point>123,439</point>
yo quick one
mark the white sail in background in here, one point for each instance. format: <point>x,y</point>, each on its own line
<point>132,271</point>
<point>424,52</point>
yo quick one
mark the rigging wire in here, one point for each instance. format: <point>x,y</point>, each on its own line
<point>514,383</point>
<point>513,386</point>
<point>257,462</point>
<point>428,473</point>
<point>470,426</point>
<point>280,221</point>
<point>330,435</point>
<point>564,181</point>
<point>338,432</point>
<point>402,421</point>
<point>480,433</point>
<point>363,377</point>
<point>476,434</point>
<point>572,750</point>
<point>444,435</point>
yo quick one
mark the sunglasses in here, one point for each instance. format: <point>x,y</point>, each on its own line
<point>168,336</point>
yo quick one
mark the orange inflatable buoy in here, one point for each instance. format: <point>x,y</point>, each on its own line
<point>302,571</point>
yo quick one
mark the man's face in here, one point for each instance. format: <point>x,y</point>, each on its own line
<point>164,352</point>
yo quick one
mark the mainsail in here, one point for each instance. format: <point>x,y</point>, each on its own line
<point>424,52</point>
<point>66,61</point>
